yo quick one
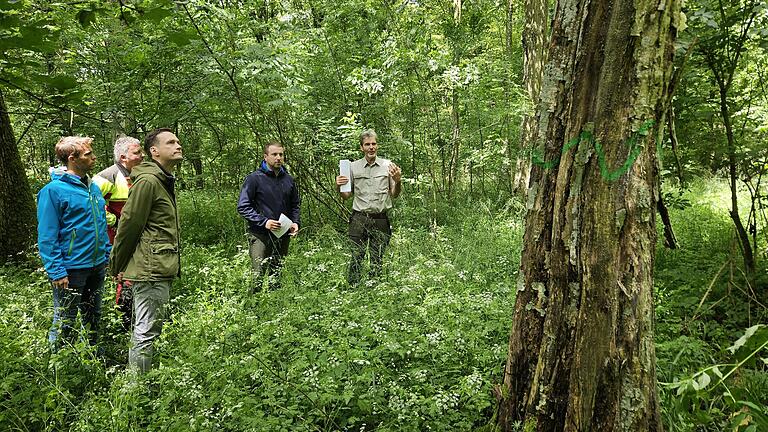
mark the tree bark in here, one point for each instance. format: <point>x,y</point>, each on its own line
<point>581,351</point>
<point>18,219</point>
<point>534,56</point>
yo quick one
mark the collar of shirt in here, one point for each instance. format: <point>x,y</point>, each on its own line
<point>374,163</point>
<point>266,170</point>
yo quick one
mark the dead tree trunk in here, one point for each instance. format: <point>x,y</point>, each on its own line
<point>581,351</point>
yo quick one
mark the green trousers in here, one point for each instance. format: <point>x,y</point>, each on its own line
<point>150,301</point>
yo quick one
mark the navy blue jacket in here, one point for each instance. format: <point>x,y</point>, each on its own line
<point>266,194</point>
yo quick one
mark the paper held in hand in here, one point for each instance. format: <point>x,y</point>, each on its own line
<point>345,168</point>
<point>285,225</point>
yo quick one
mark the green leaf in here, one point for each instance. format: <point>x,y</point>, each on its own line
<point>61,82</point>
<point>364,405</point>
<point>736,421</point>
<point>182,37</point>
<point>86,17</point>
<point>7,5</point>
<point>743,340</point>
<point>157,14</point>
<point>750,404</point>
<point>36,36</point>
<point>703,381</point>
<point>716,371</point>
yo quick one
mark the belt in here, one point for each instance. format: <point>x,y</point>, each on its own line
<point>382,215</point>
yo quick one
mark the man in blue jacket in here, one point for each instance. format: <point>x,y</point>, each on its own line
<point>73,242</point>
<point>266,193</point>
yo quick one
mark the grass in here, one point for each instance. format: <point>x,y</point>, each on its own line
<point>418,350</point>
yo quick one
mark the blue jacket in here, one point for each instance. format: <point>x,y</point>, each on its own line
<point>71,225</point>
<point>266,194</point>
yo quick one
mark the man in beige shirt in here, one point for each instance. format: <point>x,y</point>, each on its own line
<point>375,182</point>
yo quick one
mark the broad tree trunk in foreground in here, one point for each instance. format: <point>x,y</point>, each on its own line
<point>17,206</point>
<point>581,352</point>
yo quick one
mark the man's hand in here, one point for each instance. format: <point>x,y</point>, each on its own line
<point>341,180</point>
<point>272,225</point>
<point>293,230</point>
<point>394,172</point>
<point>62,283</point>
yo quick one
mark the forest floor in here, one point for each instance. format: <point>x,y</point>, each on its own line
<point>419,349</point>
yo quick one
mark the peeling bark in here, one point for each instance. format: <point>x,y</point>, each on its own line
<point>581,351</point>
<point>534,56</point>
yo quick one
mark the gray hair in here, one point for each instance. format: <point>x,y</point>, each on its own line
<point>369,133</point>
<point>122,144</point>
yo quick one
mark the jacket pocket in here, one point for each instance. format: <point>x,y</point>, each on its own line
<point>164,259</point>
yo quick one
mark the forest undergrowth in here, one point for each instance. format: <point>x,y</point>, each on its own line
<point>419,349</point>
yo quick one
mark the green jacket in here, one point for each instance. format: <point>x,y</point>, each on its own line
<point>147,241</point>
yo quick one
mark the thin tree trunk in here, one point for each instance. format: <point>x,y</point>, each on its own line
<point>455,142</point>
<point>746,247</point>
<point>18,217</point>
<point>581,351</point>
<point>510,178</point>
<point>670,240</point>
<point>674,143</point>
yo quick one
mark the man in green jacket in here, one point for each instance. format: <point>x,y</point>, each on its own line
<point>146,249</point>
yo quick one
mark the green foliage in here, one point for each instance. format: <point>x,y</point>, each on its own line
<point>742,402</point>
<point>210,218</point>
<point>419,349</point>
<point>703,303</point>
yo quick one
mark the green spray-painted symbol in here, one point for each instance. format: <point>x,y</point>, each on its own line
<point>586,135</point>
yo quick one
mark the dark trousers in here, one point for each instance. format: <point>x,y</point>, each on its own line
<point>267,254</point>
<point>371,232</point>
<point>83,294</point>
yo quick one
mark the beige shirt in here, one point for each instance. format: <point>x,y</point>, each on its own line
<point>371,186</point>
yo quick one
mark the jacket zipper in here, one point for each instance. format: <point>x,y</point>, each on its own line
<point>95,226</point>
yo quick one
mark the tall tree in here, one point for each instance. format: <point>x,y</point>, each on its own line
<point>725,29</point>
<point>17,206</point>
<point>581,351</point>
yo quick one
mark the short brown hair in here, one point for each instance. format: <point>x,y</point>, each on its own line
<point>71,146</point>
<point>270,144</point>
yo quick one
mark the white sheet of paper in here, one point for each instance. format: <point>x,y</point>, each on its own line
<point>285,225</point>
<point>345,168</point>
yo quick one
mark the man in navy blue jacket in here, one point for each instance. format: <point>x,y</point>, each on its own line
<point>266,193</point>
<point>73,242</point>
